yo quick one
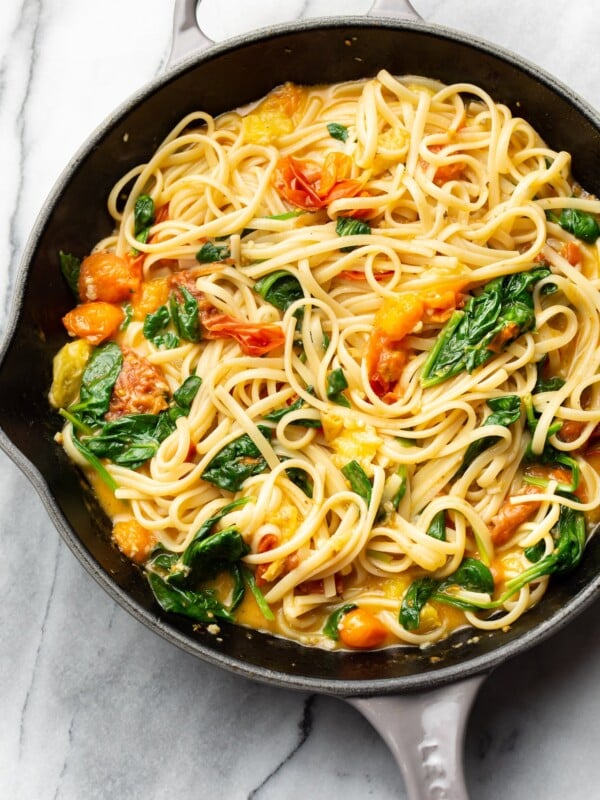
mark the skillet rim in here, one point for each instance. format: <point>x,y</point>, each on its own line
<point>472,665</point>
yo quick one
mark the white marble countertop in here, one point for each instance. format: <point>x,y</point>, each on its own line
<point>93,705</point>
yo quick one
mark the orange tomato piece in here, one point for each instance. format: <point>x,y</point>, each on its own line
<point>133,540</point>
<point>94,322</point>
<point>385,362</point>
<point>449,172</point>
<point>336,168</point>
<point>572,252</point>
<point>290,98</point>
<point>509,332</point>
<point>398,315</point>
<point>108,277</point>
<point>361,630</point>
<point>149,297</point>
<point>268,542</point>
<point>359,275</point>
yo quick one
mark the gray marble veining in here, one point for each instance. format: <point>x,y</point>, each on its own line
<point>93,705</point>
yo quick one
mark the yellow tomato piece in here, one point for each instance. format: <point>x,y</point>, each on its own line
<point>275,116</point>
<point>67,368</point>
<point>430,619</point>
<point>332,426</point>
<point>265,127</point>
<point>357,442</point>
<point>395,588</point>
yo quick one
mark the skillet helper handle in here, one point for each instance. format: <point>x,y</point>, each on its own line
<point>425,732</point>
<point>401,9</point>
<point>188,37</point>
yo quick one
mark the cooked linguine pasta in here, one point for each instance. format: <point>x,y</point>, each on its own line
<point>339,364</point>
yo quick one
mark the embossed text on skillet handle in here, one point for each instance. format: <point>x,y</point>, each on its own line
<point>425,732</point>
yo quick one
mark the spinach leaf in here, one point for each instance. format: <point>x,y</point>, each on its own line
<point>338,131</point>
<point>182,311</point>
<point>336,384</point>
<point>208,556</point>
<point>488,323</point>
<point>301,479</point>
<point>94,462</point>
<point>239,587</point>
<point>279,413</point>
<point>155,329</point>
<point>535,552</point>
<point>279,288</point>
<point>414,600</point>
<point>582,225</point>
<point>132,439</point>
<point>549,455</point>
<point>569,537</point>
<point>505,411</point>
<point>569,541</point>
<point>552,384</point>
<point>349,226</point>
<point>437,527</point>
<point>168,565</point>
<point>532,418</point>
<point>70,267</point>
<point>401,491</point>
<point>236,462</point>
<point>143,217</point>
<point>394,490</point>
<point>184,315</point>
<point>97,382</point>
<point>128,441</point>
<point>358,480</point>
<point>259,598</point>
<point>332,625</point>
<point>207,526</point>
<point>211,252</point>
<point>200,606</point>
<point>184,396</point>
<point>285,216</point>
<point>128,311</point>
<point>472,575</point>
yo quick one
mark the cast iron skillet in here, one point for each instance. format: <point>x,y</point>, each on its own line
<point>418,700</point>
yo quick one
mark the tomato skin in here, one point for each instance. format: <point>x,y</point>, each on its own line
<point>307,185</point>
<point>361,630</point>
<point>108,277</point>
<point>94,322</point>
<point>254,338</point>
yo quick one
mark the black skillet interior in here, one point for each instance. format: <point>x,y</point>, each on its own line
<point>229,76</point>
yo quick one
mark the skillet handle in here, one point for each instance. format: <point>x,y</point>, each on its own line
<point>425,732</point>
<point>188,37</point>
